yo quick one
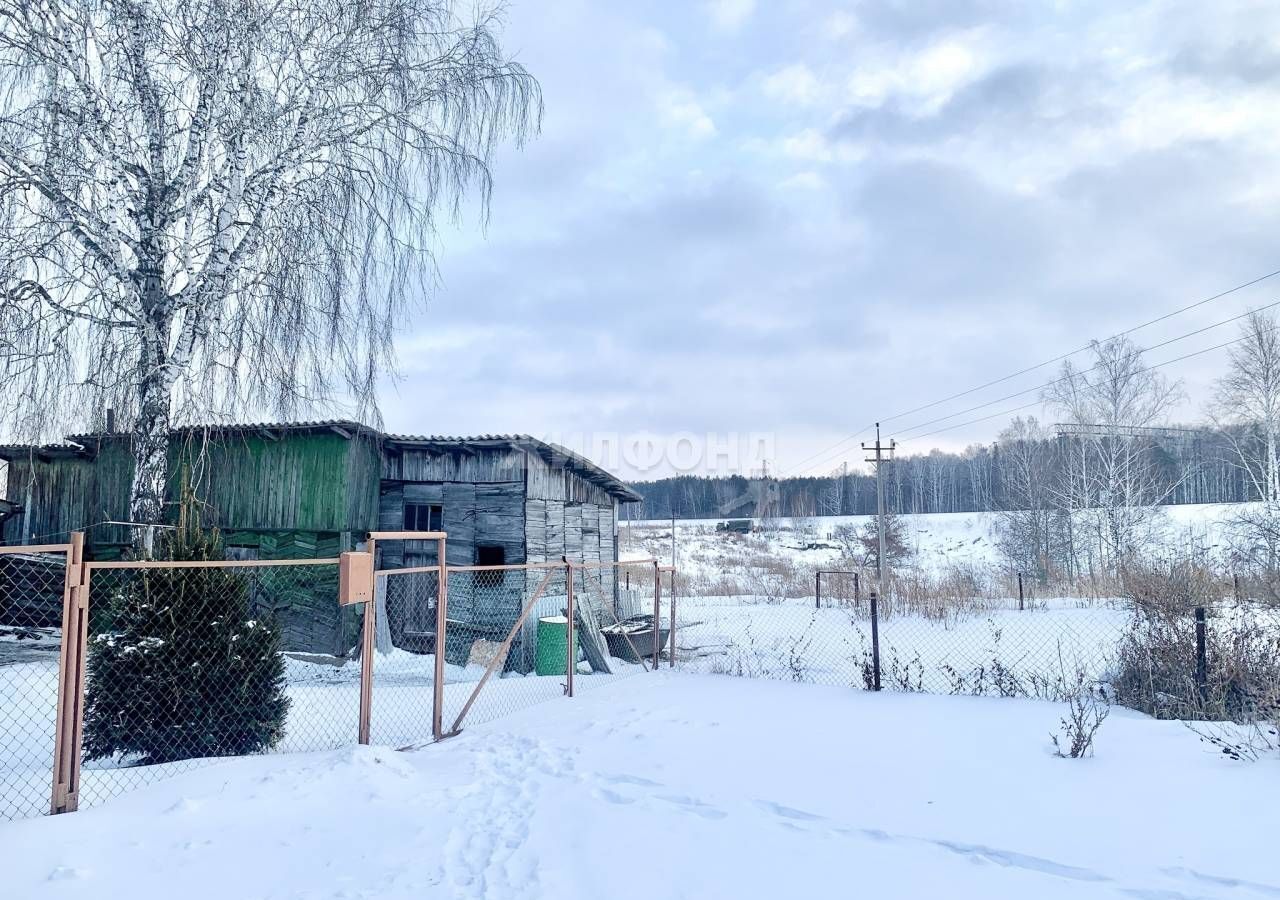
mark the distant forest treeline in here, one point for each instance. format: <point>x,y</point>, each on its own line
<point>1192,466</point>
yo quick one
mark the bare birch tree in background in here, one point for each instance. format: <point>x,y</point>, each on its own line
<point>1027,514</point>
<point>1111,475</point>
<point>209,207</point>
<point>1246,408</point>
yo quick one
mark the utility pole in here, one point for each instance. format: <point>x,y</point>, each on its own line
<point>880,459</point>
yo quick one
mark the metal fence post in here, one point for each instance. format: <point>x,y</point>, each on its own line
<point>657,611</point>
<point>571,656</point>
<point>671,654</point>
<point>442,637</point>
<point>69,729</point>
<point>817,590</point>
<point>857,591</point>
<point>366,651</point>
<point>875,643</point>
<point>1021,607</point>
<point>1202,661</point>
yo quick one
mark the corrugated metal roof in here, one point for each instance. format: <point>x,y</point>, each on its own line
<point>345,424</point>
<point>17,451</point>
<point>552,453</point>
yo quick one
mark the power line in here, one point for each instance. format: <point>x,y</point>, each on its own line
<point>1060,380</point>
<point>1047,362</point>
<point>827,452</point>
<point>1167,362</point>
<point>824,454</point>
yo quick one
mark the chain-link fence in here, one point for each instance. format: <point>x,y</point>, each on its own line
<point>188,663</point>
<point>1221,660</point>
<point>404,657</point>
<point>519,636</point>
<point>32,586</point>
<point>617,604</point>
<point>175,664</point>
<point>506,645</point>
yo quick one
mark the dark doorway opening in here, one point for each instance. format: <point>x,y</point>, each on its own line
<point>490,555</point>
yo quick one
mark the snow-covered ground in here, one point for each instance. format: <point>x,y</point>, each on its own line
<point>763,628</point>
<point>690,786</point>
<point>792,640</point>
<point>323,713</point>
<point>748,604</point>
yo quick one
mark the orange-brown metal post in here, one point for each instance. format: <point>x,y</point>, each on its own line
<point>657,609</point>
<point>442,609</point>
<point>69,728</point>
<point>571,658</point>
<point>367,635</point>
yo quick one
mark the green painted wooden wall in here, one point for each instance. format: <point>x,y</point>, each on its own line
<point>299,481</point>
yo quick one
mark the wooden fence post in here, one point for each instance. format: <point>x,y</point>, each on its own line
<point>69,726</point>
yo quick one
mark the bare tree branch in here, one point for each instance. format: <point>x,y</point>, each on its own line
<point>211,207</point>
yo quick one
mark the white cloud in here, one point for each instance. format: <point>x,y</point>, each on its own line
<point>812,145</point>
<point>839,24</point>
<point>795,83</point>
<point>926,78</point>
<point>730,15</point>
<point>679,108</point>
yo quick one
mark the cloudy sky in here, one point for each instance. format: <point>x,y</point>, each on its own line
<point>788,218</point>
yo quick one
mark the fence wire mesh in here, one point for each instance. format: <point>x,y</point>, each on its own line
<point>528,664</point>
<point>31,602</point>
<point>615,605</point>
<point>186,665</point>
<point>190,663</point>
<point>1152,658</point>
<point>404,658</point>
<point>507,636</point>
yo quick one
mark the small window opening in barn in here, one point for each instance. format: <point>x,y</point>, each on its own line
<point>490,555</point>
<point>423,516</point>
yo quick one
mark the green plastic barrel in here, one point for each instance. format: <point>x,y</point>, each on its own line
<point>552,635</point>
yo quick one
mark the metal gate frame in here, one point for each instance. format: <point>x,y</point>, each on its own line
<point>69,713</point>
<point>358,577</point>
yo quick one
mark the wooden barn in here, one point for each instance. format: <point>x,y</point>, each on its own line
<point>313,489</point>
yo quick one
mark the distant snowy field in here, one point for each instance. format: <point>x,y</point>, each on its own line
<point>747,605</point>
<point>686,786</point>
<point>936,539</point>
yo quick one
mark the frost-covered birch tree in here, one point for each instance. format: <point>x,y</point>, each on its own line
<point>1246,408</point>
<point>1111,478</point>
<point>1027,510</point>
<point>1246,403</point>
<point>213,207</point>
